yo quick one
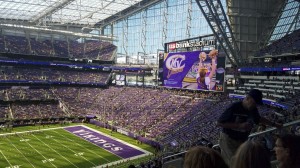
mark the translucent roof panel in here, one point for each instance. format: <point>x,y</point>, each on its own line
<point>23,10</point>
<point>288,20</point>
<point>90,11</point>
<point>63,11</point>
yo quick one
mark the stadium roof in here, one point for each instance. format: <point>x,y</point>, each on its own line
<point>288,21</point>
<point>63,12</point>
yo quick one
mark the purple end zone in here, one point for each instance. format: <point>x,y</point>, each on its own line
<point>113,146</point>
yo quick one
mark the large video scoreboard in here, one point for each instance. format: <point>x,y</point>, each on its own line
<point>197,70</point>
<point>193,64</point>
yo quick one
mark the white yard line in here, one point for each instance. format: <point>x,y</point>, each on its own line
<point>23,132</point>
<point>5,158</point>
<point>20,152</point>
<point>121,161</point>
<point>102,166</point>
<point>38,152</point>
<point>55,151</point>
<point>71,150</point>
<point>83,146</point>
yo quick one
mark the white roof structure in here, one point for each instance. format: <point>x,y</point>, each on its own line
<point>80,12</point>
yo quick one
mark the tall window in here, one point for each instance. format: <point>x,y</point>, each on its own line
<point>147,31</point>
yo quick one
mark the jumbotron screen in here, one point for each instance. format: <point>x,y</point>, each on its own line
<point>197,70</point>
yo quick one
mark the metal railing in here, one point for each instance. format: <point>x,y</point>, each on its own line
<point>167,158</point>
<point>274,128</point>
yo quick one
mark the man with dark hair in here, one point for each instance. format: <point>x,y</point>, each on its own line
<point>238,120</point>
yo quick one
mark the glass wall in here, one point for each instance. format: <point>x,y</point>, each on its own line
<point>147,31</point>
<point>289,20</point>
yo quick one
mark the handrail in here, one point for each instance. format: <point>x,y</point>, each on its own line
<point>274,128</point>
<point>170,156</point>
<point>269,130</point>
<point>250,136</point>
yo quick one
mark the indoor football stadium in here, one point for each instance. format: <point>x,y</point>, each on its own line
<point>150,83</point>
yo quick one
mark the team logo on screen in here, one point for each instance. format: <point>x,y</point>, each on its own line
<point>220,70</point>
<point>175,64</point>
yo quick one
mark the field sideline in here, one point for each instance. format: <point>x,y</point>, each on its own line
<point>56,147</point>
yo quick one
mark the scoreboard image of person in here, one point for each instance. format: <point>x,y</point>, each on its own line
<point>196,70</point>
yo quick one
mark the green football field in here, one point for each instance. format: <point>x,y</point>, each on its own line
<point>52,148</point>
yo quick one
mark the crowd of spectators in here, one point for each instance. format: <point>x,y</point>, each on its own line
<point>52,75</point>
<point>2,44</point>
<point>41,47</point>
<point>272,64</point>
<point>17,44</point>
<point>177,119</point>
<point>60,48</point>
<point>90,49</point>
<point>24,103</point>
<point>3,112</point>
<point>36,111</point>
<point>287,44</point>
<point>282,89</point>
<point>152,113</point>
<point>27,94</point>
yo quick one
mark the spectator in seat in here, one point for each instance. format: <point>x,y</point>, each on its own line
<point>203,157</point>
<point>266,139</point>
<point>251,154</point>
<point>287,150</point>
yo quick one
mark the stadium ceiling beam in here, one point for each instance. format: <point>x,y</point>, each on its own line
<point>127,12</point>
<point>101,10</point>
<point>216,18</point>
<point>97,10</point>
<point>15,22</point>
<point>51,31</point>
<point>58,5</point>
